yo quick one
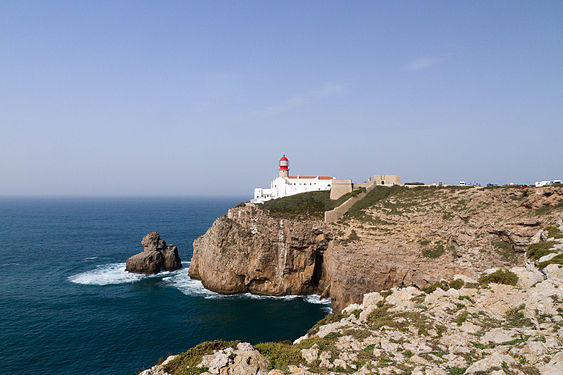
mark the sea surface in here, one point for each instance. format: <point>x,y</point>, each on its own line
<point>67,306</point>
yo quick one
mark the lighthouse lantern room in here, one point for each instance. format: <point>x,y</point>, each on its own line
<point>284,167</point>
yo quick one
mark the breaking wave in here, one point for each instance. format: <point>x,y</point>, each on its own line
<point>114,273</point>
<point>109,274</point>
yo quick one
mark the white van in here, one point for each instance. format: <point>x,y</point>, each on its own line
<point>462,183</point>
<point>542,183</point>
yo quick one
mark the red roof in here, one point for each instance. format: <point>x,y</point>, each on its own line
<point>283,158</point>
<point>320,177</point>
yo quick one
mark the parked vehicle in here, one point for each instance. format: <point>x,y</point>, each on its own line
<point>542,183</point>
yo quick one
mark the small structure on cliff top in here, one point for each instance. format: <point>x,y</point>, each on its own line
<point>285,185</point>
<point>156,256</point>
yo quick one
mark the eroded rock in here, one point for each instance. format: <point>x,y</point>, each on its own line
<point>156,256</point>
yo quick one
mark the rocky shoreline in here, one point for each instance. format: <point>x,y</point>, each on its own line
<point>454,315</point>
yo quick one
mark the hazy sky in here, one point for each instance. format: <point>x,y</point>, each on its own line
<point>203,97</point>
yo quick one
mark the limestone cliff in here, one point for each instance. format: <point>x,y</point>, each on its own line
<point>250,251</point>
<point>394,236</point>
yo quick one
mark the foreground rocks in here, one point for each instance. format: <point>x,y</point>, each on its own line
<point>156,256</point>
<point>457,328</point>
<point>411,236</point>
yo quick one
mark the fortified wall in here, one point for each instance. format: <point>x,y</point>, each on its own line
<point>344,186</point>
<point>341,187</point>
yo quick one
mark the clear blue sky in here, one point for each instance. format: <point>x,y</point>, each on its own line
<point>203,97</point>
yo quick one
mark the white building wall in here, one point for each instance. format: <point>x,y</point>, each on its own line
<point>282,187</point>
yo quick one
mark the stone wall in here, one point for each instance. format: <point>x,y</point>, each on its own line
<point>336,213</point>
<point>387,180</point>
<point>340,187</point>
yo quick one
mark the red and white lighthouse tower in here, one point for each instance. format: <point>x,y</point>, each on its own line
<point>284,167</point>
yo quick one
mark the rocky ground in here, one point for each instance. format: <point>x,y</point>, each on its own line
<point>505,321</point>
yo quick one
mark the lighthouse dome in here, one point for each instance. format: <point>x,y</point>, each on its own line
<point>284,163</point>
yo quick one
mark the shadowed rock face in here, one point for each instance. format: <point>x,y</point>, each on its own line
<point>414,237</point>
<point>156,256</point>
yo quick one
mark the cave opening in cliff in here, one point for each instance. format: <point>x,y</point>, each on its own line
<point>318,270</point>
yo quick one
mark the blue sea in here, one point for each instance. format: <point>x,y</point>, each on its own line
<point>67,306</point>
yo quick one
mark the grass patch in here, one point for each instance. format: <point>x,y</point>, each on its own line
<point>305,205</point>
<point>516,318</point>
<point>461,318</point>
<point>501,276</point>
<point>456,370</point>
<point>374,196</point>
<point>457,283</point>
<point>505,250</point>
<point>185,363</point>
<point>538,250</point>
<point>553,232</point>
<point>382,317</point>
<point>444,285</point>
<point>435,252</point>
<point>558,259</point>
<point>330,318</point>
<point>280,354</point>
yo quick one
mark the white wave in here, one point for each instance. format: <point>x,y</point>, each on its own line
<point>107,274</point>
<point>188,286</point>
<point>191,287</point>
<point>90,258</point>
<point>114,273</point>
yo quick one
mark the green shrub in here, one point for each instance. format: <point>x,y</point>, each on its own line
<point>456,370</point>
<point>538,250</point>
<point>553,232</point>
<point>558,259</point>
<point>435,252</point>
<point>444,285</point>
<point>516,318</point>
<point>500,276</point>
<point>456,284</point>
<point>414,183</point>
<point>280,354</point>
<point>506,250</point>
<point>185,363</point>
<point>353,236</point>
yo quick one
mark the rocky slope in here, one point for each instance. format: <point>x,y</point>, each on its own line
<point>506,322</point>
<point>394,236</point>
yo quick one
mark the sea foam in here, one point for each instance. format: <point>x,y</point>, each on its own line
<point>114,273</point>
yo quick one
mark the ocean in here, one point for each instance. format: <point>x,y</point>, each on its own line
<point>67,306</point>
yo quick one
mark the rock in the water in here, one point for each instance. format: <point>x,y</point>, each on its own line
<point>156,256</point>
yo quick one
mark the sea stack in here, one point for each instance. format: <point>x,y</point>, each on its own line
<point>156,256</point>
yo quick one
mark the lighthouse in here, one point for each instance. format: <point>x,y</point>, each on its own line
<point>284,167</point>
<point>285,185</point>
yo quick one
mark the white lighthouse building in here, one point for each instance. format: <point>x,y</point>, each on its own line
<point>285,185</point>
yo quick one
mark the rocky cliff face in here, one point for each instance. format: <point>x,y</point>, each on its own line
<point>394,236</point>
<point>250,251</point>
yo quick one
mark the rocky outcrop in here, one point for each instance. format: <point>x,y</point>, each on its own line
<point>410,236</point>
<point>249,251</point>
<point>156,256</point>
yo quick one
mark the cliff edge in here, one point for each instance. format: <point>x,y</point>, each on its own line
<point>393,236</point>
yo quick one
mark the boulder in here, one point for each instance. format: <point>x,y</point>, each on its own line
<point>156,256</point>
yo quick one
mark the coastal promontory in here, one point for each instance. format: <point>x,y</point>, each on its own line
<point>393,236</point>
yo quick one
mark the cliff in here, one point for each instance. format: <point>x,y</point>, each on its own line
<point>393,236</point>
